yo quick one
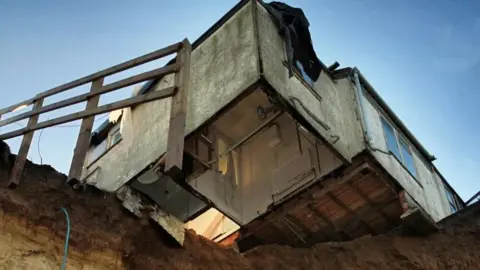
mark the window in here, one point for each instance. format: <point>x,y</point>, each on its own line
<point>399,147</point>
<point>451,200</point>
<point>302,72</point>
<point>391,138</point>
<point>115,137</point>
<point>97,151</point>
<point>407,157</point>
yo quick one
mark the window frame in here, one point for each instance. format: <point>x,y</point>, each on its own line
<point>109,145</point>
<point>90,161</point>
<point>298,67</point>
<point>385,136</point>
<point>311,88</point>
<point>111,136</point>
<point>401,159</point>
<point>454,205</point>
<point>409,149</point>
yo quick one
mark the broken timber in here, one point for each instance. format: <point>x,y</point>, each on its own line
<point>181,69</point>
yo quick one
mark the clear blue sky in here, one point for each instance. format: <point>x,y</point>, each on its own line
<point>423,57</point>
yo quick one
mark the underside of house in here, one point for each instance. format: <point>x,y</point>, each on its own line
<point>256,175</point>
<point>282,166</point>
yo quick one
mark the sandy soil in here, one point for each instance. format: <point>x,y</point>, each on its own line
<point>104,236</point>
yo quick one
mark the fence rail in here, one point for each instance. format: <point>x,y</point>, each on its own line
<point>474,198</point>
<point>181,69</point>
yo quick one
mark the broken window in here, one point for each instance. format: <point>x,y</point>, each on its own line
<point>301,70</point>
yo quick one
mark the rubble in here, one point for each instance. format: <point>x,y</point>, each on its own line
<point>106,236</point>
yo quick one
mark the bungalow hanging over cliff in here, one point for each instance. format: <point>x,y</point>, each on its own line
<point>268,145</point>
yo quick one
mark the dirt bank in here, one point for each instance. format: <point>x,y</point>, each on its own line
<point>104,236</point>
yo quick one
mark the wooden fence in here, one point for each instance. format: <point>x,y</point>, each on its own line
<point>178,93</point>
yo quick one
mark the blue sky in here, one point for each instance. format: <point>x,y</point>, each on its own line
<point>423,57</point>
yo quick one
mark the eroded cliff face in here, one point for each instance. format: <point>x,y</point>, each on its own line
<point>105,236</point>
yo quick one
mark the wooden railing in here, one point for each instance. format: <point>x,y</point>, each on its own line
<point>178,93</point>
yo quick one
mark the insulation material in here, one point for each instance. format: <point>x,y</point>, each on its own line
<point>132,202</point>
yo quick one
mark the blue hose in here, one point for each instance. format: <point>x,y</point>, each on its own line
<point>65,252</point>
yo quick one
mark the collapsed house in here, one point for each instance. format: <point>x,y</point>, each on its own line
<point>278,149</point>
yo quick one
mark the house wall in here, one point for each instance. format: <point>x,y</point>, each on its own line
<point>427,188</point>
<point>222,67</point>
<point>337,105</point>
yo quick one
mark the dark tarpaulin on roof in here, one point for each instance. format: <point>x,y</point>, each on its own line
<point>294,27</point>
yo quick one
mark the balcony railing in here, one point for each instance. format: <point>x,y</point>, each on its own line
<point>178,92</point>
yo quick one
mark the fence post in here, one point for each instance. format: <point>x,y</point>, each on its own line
<point>83,140</point>
<point>178,114</point>
<point>17,170</point>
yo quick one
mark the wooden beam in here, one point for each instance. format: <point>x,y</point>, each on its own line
<point>102,90</point>
<point>178,114</point>
<point>197,158</point>
<point>21,158</point>
<point>213,225</point>
<point>322,216</point>
<point>370,202</point>
<point>293,220</point>
<point>206,140</point>
<point>289,226</point>
<point>172,68</point>
<point>100,74</point>
<point>351,212</point>
<point>83,139</point>
<point>341,229</point>
<point>305,200</point>
<point>151,96</point>
<point>314,193</point>
<point>332,227</point>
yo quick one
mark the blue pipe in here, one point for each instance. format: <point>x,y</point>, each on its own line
<point>65,251</point>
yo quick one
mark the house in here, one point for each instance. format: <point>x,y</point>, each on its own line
<point>270,156</point>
